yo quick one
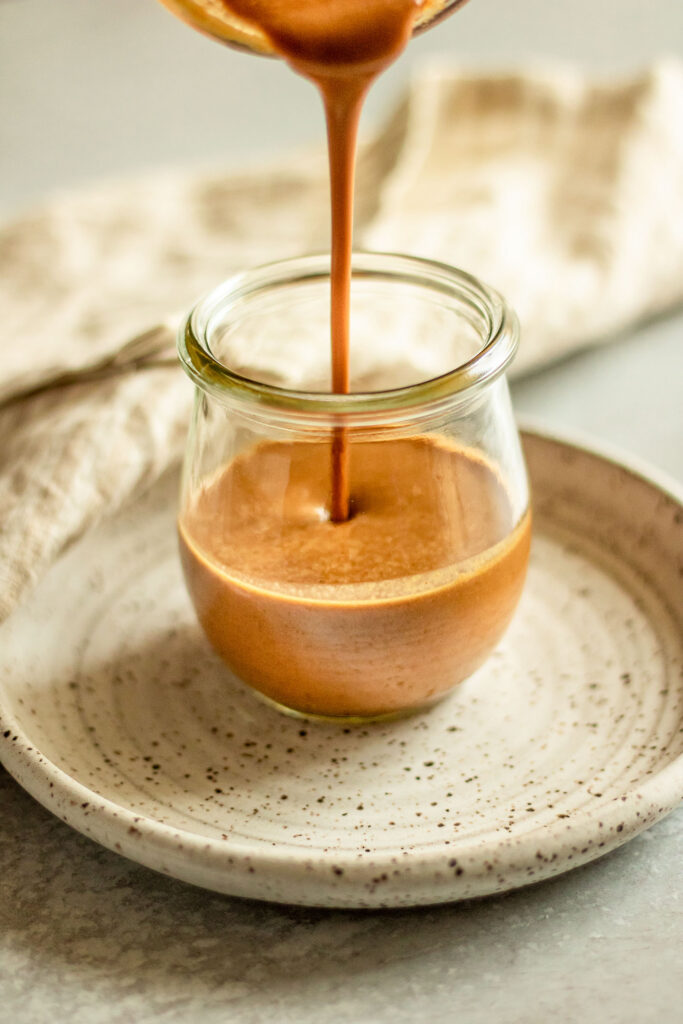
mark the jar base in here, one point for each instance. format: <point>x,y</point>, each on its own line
<point>349,720</point>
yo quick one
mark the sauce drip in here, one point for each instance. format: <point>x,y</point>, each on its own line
<point>341,46</point>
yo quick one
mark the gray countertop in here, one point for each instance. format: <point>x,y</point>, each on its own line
<point>92,89</point>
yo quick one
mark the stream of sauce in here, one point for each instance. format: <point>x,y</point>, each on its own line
<point>341,46</point>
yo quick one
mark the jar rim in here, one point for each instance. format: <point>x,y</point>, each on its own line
<point>499,343</point>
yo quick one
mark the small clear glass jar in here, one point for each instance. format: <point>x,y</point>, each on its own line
<point>388,608</point>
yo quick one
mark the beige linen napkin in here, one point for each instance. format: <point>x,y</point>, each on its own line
<point>564,193</point>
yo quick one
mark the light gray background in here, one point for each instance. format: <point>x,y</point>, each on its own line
<point>93,89</point>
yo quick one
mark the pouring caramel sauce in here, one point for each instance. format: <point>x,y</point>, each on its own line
<point>341,46</point>
<point>348,580</point>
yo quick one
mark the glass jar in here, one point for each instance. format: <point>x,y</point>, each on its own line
<point>388,609</point>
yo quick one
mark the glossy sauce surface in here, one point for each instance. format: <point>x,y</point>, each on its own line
<point>383,612</point>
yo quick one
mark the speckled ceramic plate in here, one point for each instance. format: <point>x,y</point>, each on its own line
<point>117,717</point>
